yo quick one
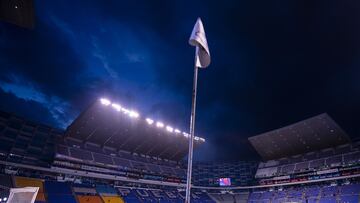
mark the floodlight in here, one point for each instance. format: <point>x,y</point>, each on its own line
<point>134,114</point>
<point>126,111</point>
<point>149,121</point>
<point>116,106</point>
<point>159,125</point>
<point>105,102</point>
<point>170,129</point>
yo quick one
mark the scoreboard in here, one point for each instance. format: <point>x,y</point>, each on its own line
<point>224,181</point>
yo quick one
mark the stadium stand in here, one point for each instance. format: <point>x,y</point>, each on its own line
<point>59,192</point>
<point>82,164</point>
<point>241,173</point>
<point>31,182</point>
<point>88,199</point>
<point>26,142</point>
<point>310,135</point>
<point>106,190</point>
<point>109,125</point>
<point>84,189</point>
<point>112,199</point>
<point>324,193</point>
<point>319,166</point>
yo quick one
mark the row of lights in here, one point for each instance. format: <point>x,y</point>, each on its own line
<point>3,199</point>
<point>117,107</point>
<point>149,121</point>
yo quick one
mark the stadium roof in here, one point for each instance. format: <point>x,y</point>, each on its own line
<point>312,134</point>
<point>109,124</point>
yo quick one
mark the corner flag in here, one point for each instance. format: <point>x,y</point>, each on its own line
<point>202,60</point>
<point>23,195</point>
<point>198,39</point>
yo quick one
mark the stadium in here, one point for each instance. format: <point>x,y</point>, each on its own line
<point>110,154</point>
<point>272,63</point>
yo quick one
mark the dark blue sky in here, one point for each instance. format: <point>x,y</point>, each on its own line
<point>273,63</point>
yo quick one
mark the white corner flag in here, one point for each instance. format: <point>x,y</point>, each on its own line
<point>23,195</point>
<point>198,39</point>
<point>202,60</point>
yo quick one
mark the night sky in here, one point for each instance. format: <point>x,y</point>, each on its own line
<point>273,63</point>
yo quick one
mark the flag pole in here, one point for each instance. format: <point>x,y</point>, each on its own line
<point>192,130</point>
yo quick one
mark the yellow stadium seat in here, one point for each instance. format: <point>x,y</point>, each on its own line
<point>112,199</point>
<point>40,197</point>
<point>31,182</point>
<point>89,199</point>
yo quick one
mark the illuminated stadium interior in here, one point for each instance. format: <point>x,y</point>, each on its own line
<point>116,82</point>
<point>113,154</point>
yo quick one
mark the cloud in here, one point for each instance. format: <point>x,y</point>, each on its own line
<point>98,53</point>
<point>63,26</point>
<point>271,65</point>
<point>25,90</point>
<point>28,109</point>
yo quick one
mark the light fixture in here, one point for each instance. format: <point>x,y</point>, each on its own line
<point>170,129</point>
<point>125,111</point>
<point>105,102</point>
<point>159,124</point>
<point>186,134</point>
<point>134,114</point>
<point>149,121</point>
<point>116,106</point>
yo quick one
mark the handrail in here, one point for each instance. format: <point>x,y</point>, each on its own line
<point>163,183</point>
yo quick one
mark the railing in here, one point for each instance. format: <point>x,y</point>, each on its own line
<point>163,183</point>
<point>265,171</point>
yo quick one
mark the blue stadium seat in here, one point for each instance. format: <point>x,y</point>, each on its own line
<point>106,189</point>
<point>61,198</point>
<point>54,187</point>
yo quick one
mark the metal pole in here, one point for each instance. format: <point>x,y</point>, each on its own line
<point>192,130</point>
